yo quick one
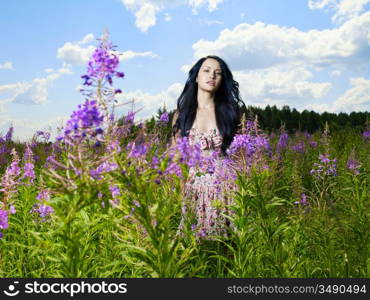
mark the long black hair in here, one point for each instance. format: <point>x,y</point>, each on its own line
<point>228,104</point>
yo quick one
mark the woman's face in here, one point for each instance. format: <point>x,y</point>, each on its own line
<point>209,76</point>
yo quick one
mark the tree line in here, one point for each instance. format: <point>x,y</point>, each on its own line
<point>272,118</point>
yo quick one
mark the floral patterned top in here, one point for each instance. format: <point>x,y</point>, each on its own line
<point>205,190</point>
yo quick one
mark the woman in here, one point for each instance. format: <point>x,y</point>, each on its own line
<point>208,113</point>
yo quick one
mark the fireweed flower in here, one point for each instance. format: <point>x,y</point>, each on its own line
<point>45,135</point>
<point>313,144</point>
<point>250,147</point>
<point>103,64</point>
<point>103,168</point>
<point>115,192</point>
<point>327,167</point>
<point>8,136</point>
<point>43,211</point>
<point>353,165</point>
<point>43,195</point>
<point>155,162</point>
<point>189,154</point>
<point>136,151</point>
<point>101,69</point>
<point>28,168</point>
<point>114,146</point>
<point>299,148</point>
<point>10,179</point>
<point>174,168</point>
<point>129,118</point>
<point>3,221</point>
<point>164,118</point>
<point>307,135</point>
<point>84,122</point>
<point>283,141</point>
<point>303,201</point>
<point>366,135</point>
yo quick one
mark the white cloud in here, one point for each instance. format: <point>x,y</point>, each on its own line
<point>10,87</point>
<point>48,70</point>
<point>185,68</point>
<point>290,86</point>
<point>74,54</point>
<point>259,45</point>
<point>319,107</point>
<point>8,65</point>
<point>146,10</point>
<point>210,22</point>
<point>344,9</point>
<point>212,4</point>
<point>145,17</point>
<point>335,73</point>
<point>33,92</point>
<point>167,17</point>
<point>151,102</point>
<point>127,55</point>
<point>356,98</point>
<point>86,39</point>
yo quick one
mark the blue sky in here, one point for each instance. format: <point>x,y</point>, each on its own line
<point>308,54</point>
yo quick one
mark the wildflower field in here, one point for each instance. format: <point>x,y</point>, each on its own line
<point>104,199</point>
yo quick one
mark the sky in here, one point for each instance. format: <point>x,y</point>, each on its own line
<point>308,54</point>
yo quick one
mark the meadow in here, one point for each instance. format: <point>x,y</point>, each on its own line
<point>104,198</point>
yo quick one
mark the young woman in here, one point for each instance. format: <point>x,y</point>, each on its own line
<point>209,113</point>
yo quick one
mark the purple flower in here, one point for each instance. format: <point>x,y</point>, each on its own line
<point>8,136</point>
<point>307,135</point>
<point>164,118</point>
<point>103,64</point>
<point>114,146</point>
<point>43,211</point>
<point>44,134</point>
<point>103,168</point>
<point>43,195</point>
<point>155,162</point>
<point>303,201</point>
<point>324,158</point>
<point>136,151</point>
<point>115,192</point>
<point>366,135</point>
<point>130,117</point>
<point>313,144</point>
<point>12,209</point>
<point>173,168</point>
<point>29,172</point>
<point>83,122</point>
<point>10,179</point>
<point>3,219</point>
<point>353,165</point>
<point>251,148</point>
<point>283,141</point>
<point>299,148</point>
<point>327,168</point>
